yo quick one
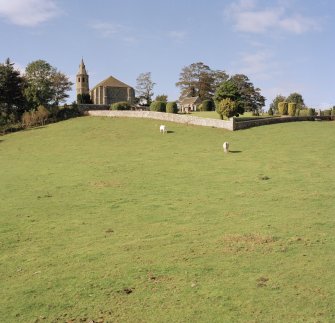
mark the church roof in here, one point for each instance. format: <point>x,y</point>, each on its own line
<point>111,82</point>
<point>190,100</point>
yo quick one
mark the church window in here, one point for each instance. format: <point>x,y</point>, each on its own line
<point>78,79</point>
<point>83,79</point>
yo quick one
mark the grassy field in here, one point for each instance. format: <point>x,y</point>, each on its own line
<point>108,220</point>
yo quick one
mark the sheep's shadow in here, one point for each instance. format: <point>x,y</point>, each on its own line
<point>235,151</point>
<point>170,131</point>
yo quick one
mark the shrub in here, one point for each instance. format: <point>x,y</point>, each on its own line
<point>311,112</point>
<point>67,113</point>
<point>158,106</point>
<point>282,108</point>
<point>227,108</point>
<point>207,105</point>
<point>84,99</point>
<point>29,118</point>
<point>326,113</point>
<point>302,112</point>
<point>120,106</point>
<point>171,107</point>
<point>42,114</point>
<point>292,107</point>
<point>270,112</point>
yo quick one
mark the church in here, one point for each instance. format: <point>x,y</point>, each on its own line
<point>108,91</point>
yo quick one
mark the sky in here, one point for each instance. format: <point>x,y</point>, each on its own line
<point>283,46</point>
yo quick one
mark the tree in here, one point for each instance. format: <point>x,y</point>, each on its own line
<point>251,97</point>
<point>158,106</point>
<point>161,97</point>
<point>297,99</point>
<point>12,84</point>
<point>276,100</point>
<point>229,90</point>
<point>198,79</point>
<point>218,78</point>
<point>283,108</point>
<point>61,84</point>
<point>84,98</point>
<point>207,105</point>
<point>45,85</point>
<point>227,108</point>
<point>144,87</point>
<point>171,107</point>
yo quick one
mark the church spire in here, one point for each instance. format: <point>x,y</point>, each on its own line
<point>82,85</point>
<point>82,69</point>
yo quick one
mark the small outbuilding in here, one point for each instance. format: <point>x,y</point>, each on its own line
<point>189,104</point>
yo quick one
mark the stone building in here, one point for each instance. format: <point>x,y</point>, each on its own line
<point>111,91</point>
<point>189,104</point>
<point>108,91</point>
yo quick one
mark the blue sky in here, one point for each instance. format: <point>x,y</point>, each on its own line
<point>283,46</point>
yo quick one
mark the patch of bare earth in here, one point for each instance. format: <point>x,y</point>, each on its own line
<point>234,243</point>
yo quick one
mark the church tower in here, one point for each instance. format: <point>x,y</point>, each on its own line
<point>82,86</point>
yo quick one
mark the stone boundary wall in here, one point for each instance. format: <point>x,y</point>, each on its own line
<point>232,124</point>
<point>261,122</point>
<point>178,118</point>
<point>87,107</point>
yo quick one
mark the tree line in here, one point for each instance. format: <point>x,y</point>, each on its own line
<point>36,92</point>
<point>229,95</point>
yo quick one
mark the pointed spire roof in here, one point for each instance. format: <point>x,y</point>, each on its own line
<point>82,69</point>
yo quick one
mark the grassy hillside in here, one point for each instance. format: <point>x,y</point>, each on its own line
<point>108,220</point>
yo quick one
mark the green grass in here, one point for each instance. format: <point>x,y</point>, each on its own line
<point>107,219</point>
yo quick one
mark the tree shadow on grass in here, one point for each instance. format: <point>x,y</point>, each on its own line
<point>235,151</point>
<point>34,128</point>
<point>1,140</point>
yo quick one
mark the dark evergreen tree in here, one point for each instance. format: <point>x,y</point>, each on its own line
<point>12,84</point>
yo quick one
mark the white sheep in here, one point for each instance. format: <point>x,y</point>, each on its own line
<point>162,128</point>
<point>226,147</point>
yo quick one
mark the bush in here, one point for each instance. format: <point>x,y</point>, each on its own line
<point>84,99</point>
<point>29,119</point>
<point>282,108</point>
<point>67,113</point>
<point>311,112</point>
<point>270,112</point>
<point>292,107</point>
<point>227,108</point>
<point>158,106</point>
<point>207,105</point>
<point>171,107</point>
<point>327,113</point>
<point>120,106</point>
<point>42,114</point>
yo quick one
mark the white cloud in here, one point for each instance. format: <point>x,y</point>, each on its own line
<point>28,12</point>
<point>115,31</point>
<point>256,64</point>
<point>248,17</point>
<point>177,35</point>
<point>108,30</point>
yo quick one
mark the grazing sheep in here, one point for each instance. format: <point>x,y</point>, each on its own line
<point>162,128</point>
<point>226,147</point>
